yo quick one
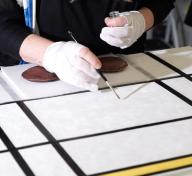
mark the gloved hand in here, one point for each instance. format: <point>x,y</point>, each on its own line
<point>124,30</point>
<point>72,63</point>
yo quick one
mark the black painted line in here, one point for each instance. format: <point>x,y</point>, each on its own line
<point>105,88</point>
<point>32,99</point>
<point>6,103</point>
<point>144,82</point>
<point>34,145</point>
<point>159,82</point>
<point>4,151</point>
<point>174,92</point>
<point>28,146</point>
<point>65,156</point>
<point>141,165</point>
<point>181,74</point>
<point>169,65</point>
<point>104,133</point>
<point>126,129</point>
<point>16,155</point>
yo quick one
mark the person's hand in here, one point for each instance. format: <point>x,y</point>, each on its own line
<point>124,30</point>
<point>73,63</point>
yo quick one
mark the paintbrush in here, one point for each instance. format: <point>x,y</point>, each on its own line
<point>98,71</point>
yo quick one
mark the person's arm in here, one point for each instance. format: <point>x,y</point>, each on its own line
<point>159,8</point>
<point>34,47</point>
<point>149,17</point>
<point>12,28</point>
<point>129,26</point>
<point>70,61</point>
<point>155,12</point>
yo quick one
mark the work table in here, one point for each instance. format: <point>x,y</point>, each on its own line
<point>57,129</point>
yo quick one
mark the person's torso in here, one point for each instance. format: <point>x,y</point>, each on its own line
<point>85,19</point>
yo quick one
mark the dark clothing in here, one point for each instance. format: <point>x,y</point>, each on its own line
<point>188,19</point>
<point>85,18</point>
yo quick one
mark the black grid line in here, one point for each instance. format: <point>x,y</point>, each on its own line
<point>174,92</point>
<point>104,133</point>
<point>16,155</point>
<point>158,59</point>
<point>151,55</point>
<point>64,155</point>
<point>4,151</point>
<point>105,88</point>
<point>162,84</point>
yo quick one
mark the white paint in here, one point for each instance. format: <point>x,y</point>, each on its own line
<point>2,145</point>
<point>181,85</point>
<point>179,57</point>
<point>29,90</point>
<point>131,148</point>
<point>45,160</point>
<point>8,166</point>
<point>18,127</point>
<point>89,113</point>
<point>4,96</point>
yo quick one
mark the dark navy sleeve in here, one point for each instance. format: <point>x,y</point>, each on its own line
<point>12,28</point>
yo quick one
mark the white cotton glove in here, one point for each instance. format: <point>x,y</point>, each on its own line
<point>124,30</point>
<point>65,59</point>
<point>20,2</point>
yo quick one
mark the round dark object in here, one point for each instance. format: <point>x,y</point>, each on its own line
<point>112,64</point>
<point>39,74</point>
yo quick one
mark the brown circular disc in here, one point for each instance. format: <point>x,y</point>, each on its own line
<point>112,64</point>
<point>39,74</point>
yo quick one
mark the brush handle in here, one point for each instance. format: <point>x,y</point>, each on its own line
<point>101,74</point>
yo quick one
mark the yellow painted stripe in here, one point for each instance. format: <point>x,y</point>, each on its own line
<point>153,168</point>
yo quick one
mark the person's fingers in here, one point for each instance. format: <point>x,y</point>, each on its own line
<point>116,41</point>
<point>90,57</point>
<point>85,67</point>
<point>89,86</point>
<point>84,81</point>
<point>116,22</point>
<point>79,78</point>
<point>120,32</point>
<point>111,40</point>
